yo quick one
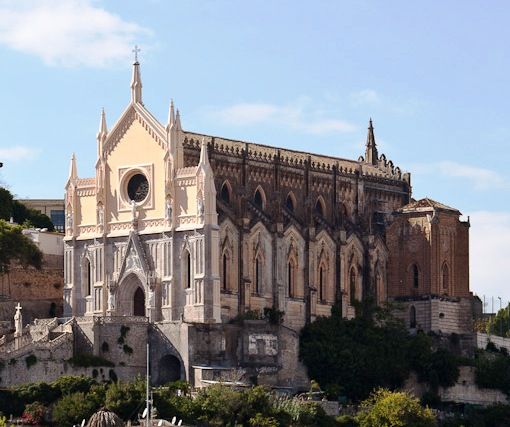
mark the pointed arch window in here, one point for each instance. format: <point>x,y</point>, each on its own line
<point>445,277</point>
<point>352,285</point>
<point>289,203</point>
<point>225,192</point>
<point>225,272</point>
<point>258,199</point>
<point>319,207</point>
<point>321,283</point>
<point>187,269</point>
<point>412,317</point>
<point>86,277</point>
<point>258,275</point>
<point>291,277</point>
<point>416,276</point>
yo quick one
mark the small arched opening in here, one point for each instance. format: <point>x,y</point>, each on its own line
<point>169,369</point>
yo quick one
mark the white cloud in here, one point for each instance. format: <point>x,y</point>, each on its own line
<point>481,178</point>
<point>17,154</point>
<point>67,32</point>
<point>297,116</point>
<point>366,97</point>
<point>489,259</point>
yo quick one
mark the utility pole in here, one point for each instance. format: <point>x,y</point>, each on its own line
<point>500,319</point>
<point>148,396</point>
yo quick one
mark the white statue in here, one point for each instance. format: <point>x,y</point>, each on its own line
<point>18,322</point>
<point>133,210</point>
<point>100,214</point>
<point>150,298</point>
<point>168,209</point>
<point>200,208</point>
<point>69,218</point>
<point>111,299</point>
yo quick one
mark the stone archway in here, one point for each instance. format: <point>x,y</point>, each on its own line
<point>169,369</point>
<point>131,297</point>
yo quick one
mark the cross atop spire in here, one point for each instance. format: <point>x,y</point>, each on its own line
<point>136,81</point>
<point>371,155</point>
<point>135,50</point>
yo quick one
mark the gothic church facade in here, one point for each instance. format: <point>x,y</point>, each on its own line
<point>185,228</point>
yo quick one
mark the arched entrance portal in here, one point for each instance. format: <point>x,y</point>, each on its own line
<point>169,369</point>
<point>139,303</point>
<point>131,297</point>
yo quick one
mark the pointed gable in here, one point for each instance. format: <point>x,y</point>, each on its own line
<point>134,260</point>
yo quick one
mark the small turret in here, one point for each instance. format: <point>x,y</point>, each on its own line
<point>73,170</point>
<point>371,155</point>
<point>178,120</point>
<point>204,155</point>
<point>171,116</point>
<point>101,134</point>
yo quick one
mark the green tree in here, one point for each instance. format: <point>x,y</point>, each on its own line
<point>126,399</point>
<point>73,408</point>
<point>20,213</point>
<point>499,324</point>
<point>356,354</point>
<point>14,246</point>
<point>385,408</point>
<point>492,370</point>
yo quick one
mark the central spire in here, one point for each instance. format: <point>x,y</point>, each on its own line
<point>371,155</point>
<point>136,81</point>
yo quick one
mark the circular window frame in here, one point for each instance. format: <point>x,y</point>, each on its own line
<point>125,183</point>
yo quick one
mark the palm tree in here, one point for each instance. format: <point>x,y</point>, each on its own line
<point>105,418</point>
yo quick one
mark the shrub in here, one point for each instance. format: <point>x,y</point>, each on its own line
<point>68,384</point>
<point>273,315</point>
<point>260,420</point>
<point>36,392</point>
<point>86,360</point>
<point>386,408</point>
<point>346,421</point>
<point>33,413</point>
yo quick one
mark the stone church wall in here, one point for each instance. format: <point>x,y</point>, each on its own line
<point>438,314</point>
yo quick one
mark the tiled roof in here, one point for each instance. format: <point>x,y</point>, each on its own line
<point>426,204</point>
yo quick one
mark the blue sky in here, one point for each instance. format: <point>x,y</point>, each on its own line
<point>304,75</point>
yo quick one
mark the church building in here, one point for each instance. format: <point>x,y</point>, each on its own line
<point>189,232</point>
